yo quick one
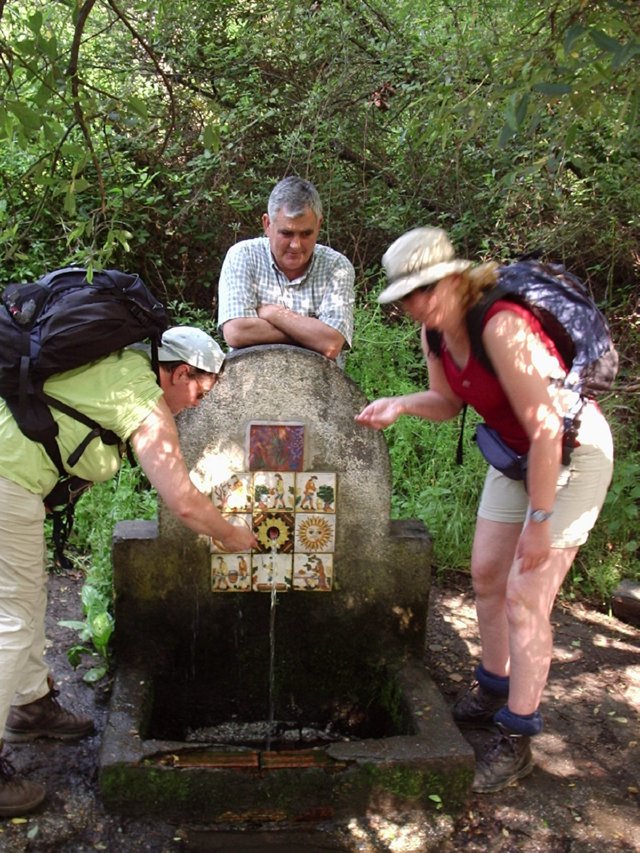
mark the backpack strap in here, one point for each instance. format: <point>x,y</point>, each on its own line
<point>60,505</point>
<point>434,341</point>
<point>95,430</point>
<point>475,322</point>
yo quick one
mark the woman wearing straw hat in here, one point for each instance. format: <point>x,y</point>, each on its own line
<point>526,538</point>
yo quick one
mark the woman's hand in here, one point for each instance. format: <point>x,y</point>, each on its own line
<point>534,545</point>
<point>381,413</point>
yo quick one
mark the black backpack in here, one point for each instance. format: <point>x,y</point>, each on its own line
<point>60,322</point>
<point>567,313</point>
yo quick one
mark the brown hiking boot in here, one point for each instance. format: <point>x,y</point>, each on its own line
<point>45,718</point>
<point>476,707</point>
<point>17,796</point>
<point>507,759</point>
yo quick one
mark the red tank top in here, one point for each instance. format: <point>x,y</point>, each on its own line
<point>480,388</point>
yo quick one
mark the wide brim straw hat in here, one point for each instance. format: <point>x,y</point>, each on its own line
<point>421,256</point>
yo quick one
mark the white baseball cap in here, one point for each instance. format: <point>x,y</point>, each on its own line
<point>191,346</point>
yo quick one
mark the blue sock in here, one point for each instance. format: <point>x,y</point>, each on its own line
<point>519,724</point>
<point>498,684</point>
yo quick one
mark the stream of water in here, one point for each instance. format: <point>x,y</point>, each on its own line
<point>272,647</point>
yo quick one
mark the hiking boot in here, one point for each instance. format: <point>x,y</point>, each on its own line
<point>507,759</point>
<point>17,796</point>
<point>476,707</point>
<point>45,718</point>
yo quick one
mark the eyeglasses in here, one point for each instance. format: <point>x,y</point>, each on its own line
<point>429,287</point>
<point>425,290</point>
<point>205,381</point>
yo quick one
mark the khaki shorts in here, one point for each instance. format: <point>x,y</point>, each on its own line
<point>581,489</point>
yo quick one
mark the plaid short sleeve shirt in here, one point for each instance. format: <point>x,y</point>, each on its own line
<point>250,278</point>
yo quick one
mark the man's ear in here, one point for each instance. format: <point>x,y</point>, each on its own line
<point>180,371</point>
<point>266,222</point>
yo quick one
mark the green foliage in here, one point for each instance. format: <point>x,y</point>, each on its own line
<point>147,136</point>
<point>386,360</point>
<point>125,497</point>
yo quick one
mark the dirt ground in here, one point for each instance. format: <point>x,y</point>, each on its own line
<point>582,797</point>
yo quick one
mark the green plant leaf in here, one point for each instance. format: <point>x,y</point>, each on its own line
<point>571,35</point>
<point>602,40</point>
<point>211,138</point>
<point>555,90</point>
<point>93,675</point>
<point>28,118</point>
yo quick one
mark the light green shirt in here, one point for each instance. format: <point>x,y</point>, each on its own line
<point>118,392</point>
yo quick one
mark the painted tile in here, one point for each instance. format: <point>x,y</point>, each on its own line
<point>276,446</point>
<point>231,572</point>
<point>274,531</point>
<point>238,520</point>
<point>234,495</point>
<point>293,516</point>
<point>272,490</point>
<point>313,572</point>
<point>315,533</point>
<point>315,492</point>
<point>267,568</point>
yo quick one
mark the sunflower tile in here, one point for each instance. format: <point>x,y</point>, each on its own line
<point>274,531</point>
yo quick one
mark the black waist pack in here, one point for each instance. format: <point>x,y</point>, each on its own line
<point>499,455</point>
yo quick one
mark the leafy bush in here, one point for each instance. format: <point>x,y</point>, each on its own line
<point>127,496</point>
<point>386,360</point>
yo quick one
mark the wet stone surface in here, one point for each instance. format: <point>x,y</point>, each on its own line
<point>582,796</point>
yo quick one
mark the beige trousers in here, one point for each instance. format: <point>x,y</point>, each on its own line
<point>23,598</point>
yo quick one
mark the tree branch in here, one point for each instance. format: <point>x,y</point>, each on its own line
<point>72,73</point>
<point>152,56</point>
<point>367,166</point>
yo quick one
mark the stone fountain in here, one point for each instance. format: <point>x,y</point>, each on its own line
<point>287,683</point>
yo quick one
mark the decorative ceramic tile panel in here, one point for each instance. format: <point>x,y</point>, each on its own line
<point>234,495</point>
<point>315,533</point>
<point>238,520</point>
<point>231,572</point>
<point>291,512</point>
<point>274,531</point>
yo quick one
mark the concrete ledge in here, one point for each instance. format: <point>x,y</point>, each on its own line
<point>235,784</point>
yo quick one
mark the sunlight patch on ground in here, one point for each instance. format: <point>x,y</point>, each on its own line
<point>406,835</point>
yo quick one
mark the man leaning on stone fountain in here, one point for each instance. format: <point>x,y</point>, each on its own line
<point>119,391</point>
<point>285,288</point>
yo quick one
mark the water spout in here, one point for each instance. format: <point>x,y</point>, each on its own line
<point>272,640</point>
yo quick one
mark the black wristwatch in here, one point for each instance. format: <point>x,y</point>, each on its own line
<point>540,515</point>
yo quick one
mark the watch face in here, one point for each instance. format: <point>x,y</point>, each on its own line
<point>539,515</point>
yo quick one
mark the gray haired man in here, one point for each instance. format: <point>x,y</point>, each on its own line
<point>285,288</point>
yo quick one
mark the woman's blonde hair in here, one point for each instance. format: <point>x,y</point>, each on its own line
<point>475,281</point>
